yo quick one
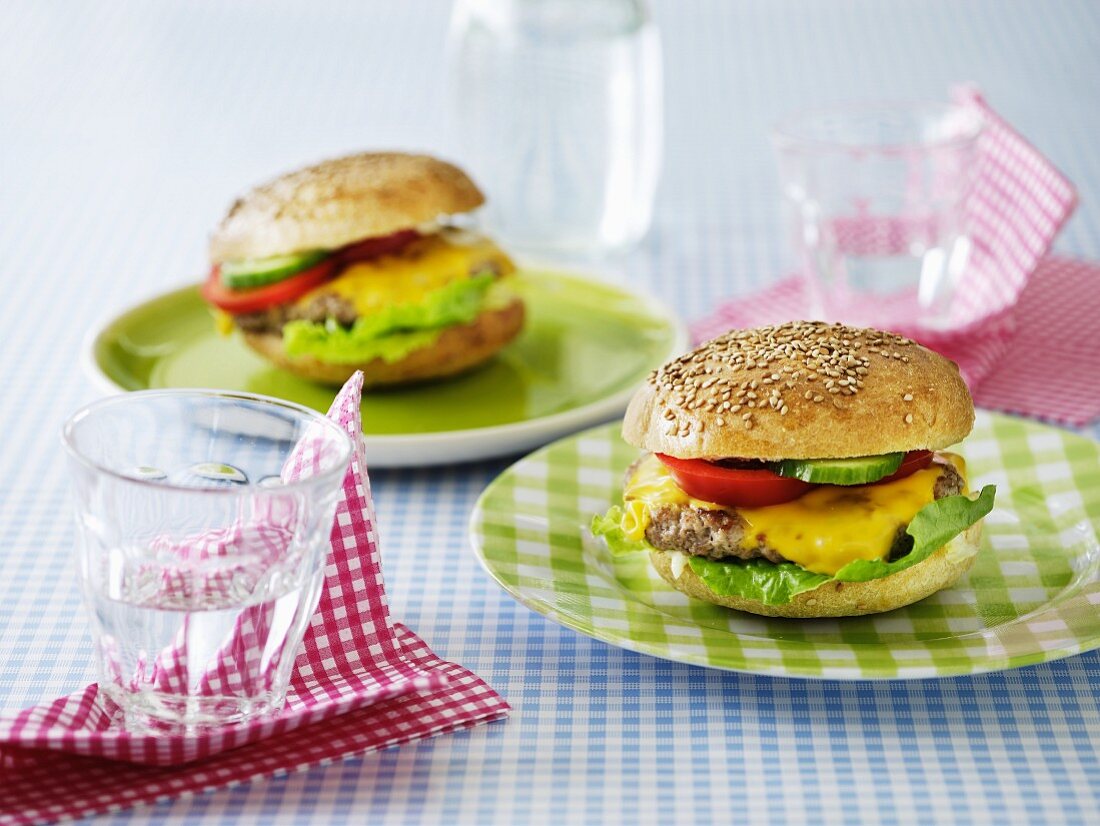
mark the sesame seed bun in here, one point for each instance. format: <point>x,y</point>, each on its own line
<point>340,201</point>
<point>801,390</point>
<point>457,349</point>
<point>844,599</point>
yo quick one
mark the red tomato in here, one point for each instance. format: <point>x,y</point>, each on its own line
<point>725,486</point>
<point>914,460</point>
<point>374,247</point>
<point>260,298</point>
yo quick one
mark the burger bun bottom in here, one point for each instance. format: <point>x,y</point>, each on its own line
<point>458,348</point>
<point>844,599</point>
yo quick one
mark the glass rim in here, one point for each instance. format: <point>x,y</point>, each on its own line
<point>785,136</point>
<point>82,413</point>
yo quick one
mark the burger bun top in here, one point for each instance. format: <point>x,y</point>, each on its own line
<point>801,390</point>
<point>340,201</point>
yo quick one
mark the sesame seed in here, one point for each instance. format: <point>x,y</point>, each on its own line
<point>908,418</point>
<point>728,372</point>
<point>908,397</point>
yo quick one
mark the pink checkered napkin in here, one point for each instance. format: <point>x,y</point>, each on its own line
<point>374,682</point>
<point>1019,205</point>
<point>1009,295</point>
<point>1051,369</point>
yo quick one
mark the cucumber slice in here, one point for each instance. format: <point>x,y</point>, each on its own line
<point>259,272</point>
<point>858,471</point>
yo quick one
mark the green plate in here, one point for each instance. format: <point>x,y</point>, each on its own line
<point>585,347</point>
<point>1033,594</point>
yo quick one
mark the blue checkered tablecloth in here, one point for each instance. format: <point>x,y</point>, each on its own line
<point>125,129</point>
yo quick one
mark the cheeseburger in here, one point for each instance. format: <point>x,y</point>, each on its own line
<point>353,264</point>
<point>800,471</point>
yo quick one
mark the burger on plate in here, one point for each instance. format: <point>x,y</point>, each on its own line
<point>799,471</point>
<point>356,264</point>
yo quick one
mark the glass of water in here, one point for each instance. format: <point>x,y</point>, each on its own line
<point>556,108</point>
<point>203,523</point>
<point>876,201</point>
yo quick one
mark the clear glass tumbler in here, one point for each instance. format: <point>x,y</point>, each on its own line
<point>556,109</point>
<point>876,202</point>
<point>200,556</point>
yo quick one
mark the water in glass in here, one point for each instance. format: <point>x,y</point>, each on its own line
<point>557,107</point>
<point>199,554</point>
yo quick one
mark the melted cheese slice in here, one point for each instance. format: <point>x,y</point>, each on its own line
<point>418,269</point>
<point>822,531</point>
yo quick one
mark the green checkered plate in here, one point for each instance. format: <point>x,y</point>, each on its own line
<point>1032,596</point>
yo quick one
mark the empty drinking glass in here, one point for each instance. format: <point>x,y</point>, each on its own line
<point>556,108</point>
<point>876,201</point>
<point>203,523</point>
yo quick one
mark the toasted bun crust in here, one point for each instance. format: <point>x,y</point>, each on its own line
<point>801,390</point>
<point>340,201</point>
<point>846,599</point>
<point>457,349</point>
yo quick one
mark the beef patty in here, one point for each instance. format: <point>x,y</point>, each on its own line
<point>717,534</point>
<point>321,308</point>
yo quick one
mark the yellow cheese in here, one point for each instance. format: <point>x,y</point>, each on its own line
<point>652,485</point>
<point>822,531</point>
<point>408,276</point>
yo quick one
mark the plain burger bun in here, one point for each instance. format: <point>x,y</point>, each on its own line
<point>457,349</point>
<point>337,202</point>
<point>844,599</point>
<point>801,390</point>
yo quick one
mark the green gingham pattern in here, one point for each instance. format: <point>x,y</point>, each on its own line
<point>1031,596</point>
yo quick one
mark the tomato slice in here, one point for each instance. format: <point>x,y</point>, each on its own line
<point>735,488</point>
<point>374,247</point>
<point>758,488</point>
<point>260,298</point>
<point>914,460</point>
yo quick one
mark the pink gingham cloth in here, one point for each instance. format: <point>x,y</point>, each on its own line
<point>372,681</point>
<point>1021,322</point>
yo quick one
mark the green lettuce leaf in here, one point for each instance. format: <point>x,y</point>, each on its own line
<point>394,332</point>
<point>608,526</point>
<point>775,584</point>
<point>768,582</point>
<point>933,527</point>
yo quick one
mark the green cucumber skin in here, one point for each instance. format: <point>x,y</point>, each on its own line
<point>860,470</point>
<point>243,275</point>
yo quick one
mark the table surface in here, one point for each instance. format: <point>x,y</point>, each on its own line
<point>127,127</point>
